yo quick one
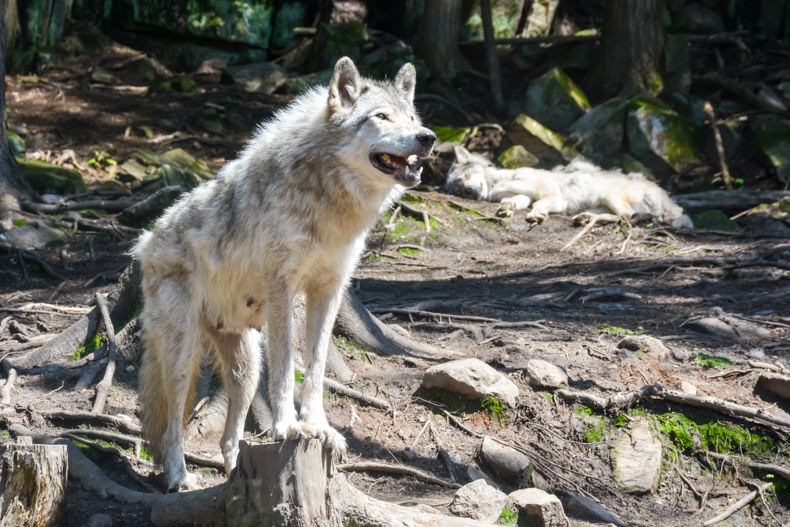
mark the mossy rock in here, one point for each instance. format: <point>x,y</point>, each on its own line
<point>516,157</point>
<point>660,137</point>
<point>714,220</point>
<point>46,178</point>
<point>180,158</point>
<point>16,144</point>
<point>335,41</point>
<point>599,133</point>
<point>180,84</point>
<point>27,236</point>
<point>541,141</point>
<point>779,210</point>
<point>772,138</point>
<point>555,100</point>
<point>448,137</point>
<point>261,77</point>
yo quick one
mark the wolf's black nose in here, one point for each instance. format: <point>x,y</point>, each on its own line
<point>426,137</point>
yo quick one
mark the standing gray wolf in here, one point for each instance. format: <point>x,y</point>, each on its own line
<point>289,215</point>
<point>577,187</point>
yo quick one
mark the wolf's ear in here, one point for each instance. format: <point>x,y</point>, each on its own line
<point>462,155</point>
<point>405,81</point>
<point>345,86</point>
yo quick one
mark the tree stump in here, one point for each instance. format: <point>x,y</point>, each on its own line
<point>32,485</point>
<point>280,484</point>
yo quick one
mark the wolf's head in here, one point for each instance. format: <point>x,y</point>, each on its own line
<point>467,176</point>
<point>382,134</point>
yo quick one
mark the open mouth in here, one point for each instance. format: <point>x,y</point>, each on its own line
<point>403,169</point>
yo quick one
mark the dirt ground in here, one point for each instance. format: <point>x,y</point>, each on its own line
<point>453,286</point>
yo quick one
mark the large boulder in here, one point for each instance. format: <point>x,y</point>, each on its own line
<point>555,100</point>
<point>599,133</point>
<point>538,508</point>
<point>660,137</point>
<point>46,178</point>
<point>540,141</point>
<point>636,459</point>
<point>772,139</point>
<point>473,378</point>
<point>506,462</point>
<point>478,500</point>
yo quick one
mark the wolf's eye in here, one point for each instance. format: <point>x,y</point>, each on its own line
<point>382,116</point>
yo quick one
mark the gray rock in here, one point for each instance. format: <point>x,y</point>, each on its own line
<point>478,500</point>
<point>473,378</point>
<point>506,462</point>
<point>774,383</point>
<point>261,77</point>
<point>539,508</point>
<point>652,346</point>
<point>555,100</point>
<point>636,459</point>
<point>599,133</point>
<point>772,137</point>
<point>131,170</point>
<point>33,237</point>
<point>661,138</point>
<point>540,18</point>
<point>100,520</point>
<point>585,508</point>
<point>516,157</point>
<point>543,374</point>
<point>540,141</point>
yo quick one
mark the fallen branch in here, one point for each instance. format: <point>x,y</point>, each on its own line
<point>735,507</point>
<point>725,171</point>
<point>388,468</point>
<point>103,388</point>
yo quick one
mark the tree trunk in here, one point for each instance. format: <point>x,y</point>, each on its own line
<point>32,485</point>
<point>437,39</point>
<point>12,187</point>
<point>632,48</point>
<point>279,484</point>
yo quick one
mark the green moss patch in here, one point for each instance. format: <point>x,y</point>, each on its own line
<point>713,361</point>
<point>689,434</point>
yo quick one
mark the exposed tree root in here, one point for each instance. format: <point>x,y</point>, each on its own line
<point>771,468</point>
<point>620,400</point>
<point>358,325</point>
<point>103,387</point>
<point>389,468</point>
<point>738,505</point>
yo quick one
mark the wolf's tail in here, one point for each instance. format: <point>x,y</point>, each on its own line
<point>157,392</point>
<point>153,396</point>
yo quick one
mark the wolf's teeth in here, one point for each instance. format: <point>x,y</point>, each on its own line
<point>419,171</point>
<point>413,159</point>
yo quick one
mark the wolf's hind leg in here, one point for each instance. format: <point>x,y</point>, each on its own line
<point>239,356</point>
<point>321,309</point>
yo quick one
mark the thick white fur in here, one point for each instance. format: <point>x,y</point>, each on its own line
<point>289,215</point>
<point>569,189</point>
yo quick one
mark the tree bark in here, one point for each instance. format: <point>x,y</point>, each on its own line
<point>437,38</point>
<point>32,485</point>
<point>12,187</point>
<point>632,48</point>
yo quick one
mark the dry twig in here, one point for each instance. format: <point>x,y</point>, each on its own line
<point>388,468</point>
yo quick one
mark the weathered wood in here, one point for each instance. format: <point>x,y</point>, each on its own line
<point>280,484</point>
<point>32,485</point>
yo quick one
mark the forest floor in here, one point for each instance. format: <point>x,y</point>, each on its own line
<point>453,286</point>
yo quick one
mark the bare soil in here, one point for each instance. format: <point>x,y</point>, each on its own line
<point>579,301</point>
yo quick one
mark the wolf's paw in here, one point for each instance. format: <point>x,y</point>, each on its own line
<point>292,430</point>
<point>182,483</point>
<point>334,440</point>
<point>535,218</point>
<point>505,209</point>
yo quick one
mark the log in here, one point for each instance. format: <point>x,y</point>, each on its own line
<point>279,484</point>
<point>32,485</point>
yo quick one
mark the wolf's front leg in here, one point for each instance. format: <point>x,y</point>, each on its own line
<point>322,303</point>
<point>279,365</point>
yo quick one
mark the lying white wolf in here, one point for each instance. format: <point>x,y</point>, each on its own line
<point>577,187</point>
<point>289,215</point>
